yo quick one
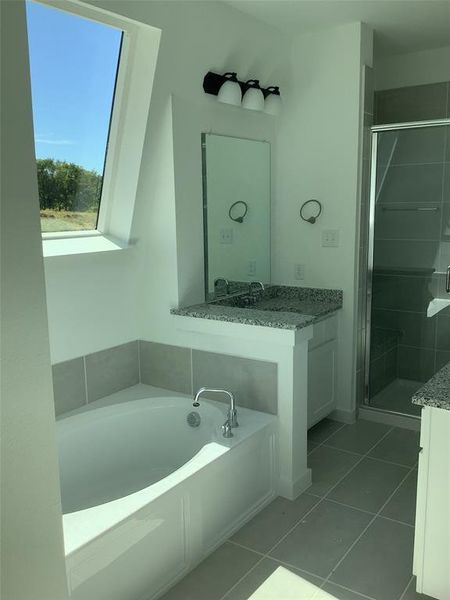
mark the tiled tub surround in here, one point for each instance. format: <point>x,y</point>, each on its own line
<point>88,378</point>
<point>281,307</point>
<point>436,392</point>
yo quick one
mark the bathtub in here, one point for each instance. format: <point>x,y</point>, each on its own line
<point>146,496</point>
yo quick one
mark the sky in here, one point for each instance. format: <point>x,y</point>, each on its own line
<point>73,64</point>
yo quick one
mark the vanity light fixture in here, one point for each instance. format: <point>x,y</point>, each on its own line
<point>249,94</point>
<point>253,98</point>
<point>272,101</point>
<point>230,90</point>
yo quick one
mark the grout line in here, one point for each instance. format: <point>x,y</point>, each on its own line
<point>230,541</point>
<point>331,489</point>
<point>86,394</point>
<point>139,360</point>
<point>327,438</point>
<point>347,589</point>
<point>320,500</point>
<point>241,578</point>
<point>407,586</point>
<point>192,370</point>
<point>378,515</point>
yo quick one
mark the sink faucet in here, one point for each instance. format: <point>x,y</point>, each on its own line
<point>224,282</point>
<point>232,412</point>
<point>254,284</point>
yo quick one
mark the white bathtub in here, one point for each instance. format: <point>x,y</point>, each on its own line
<point>146,496</point>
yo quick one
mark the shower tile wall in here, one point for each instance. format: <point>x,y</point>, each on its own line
<point>412,247</point>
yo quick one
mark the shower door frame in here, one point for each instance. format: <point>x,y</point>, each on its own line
<point>375,130</point>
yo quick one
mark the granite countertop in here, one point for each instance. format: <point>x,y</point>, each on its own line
<point>281,307</point>
<point>436,392</point>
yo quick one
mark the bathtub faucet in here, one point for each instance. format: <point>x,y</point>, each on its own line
<point>232,412</point>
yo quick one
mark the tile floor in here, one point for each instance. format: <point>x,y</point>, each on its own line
<point>349,537</point>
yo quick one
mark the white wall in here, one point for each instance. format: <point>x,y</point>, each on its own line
<point>99,301</point>
<point>32,556</point>
<point>414,68</point>
<point>315,155</point>
<point>318,157</point>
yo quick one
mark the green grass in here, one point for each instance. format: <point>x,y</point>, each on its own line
<point>61,220</point>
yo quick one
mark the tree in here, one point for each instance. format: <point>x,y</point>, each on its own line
<point>67,186</point>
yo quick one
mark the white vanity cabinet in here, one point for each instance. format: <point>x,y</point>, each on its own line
<point>322,364</point>
<point>432,535</point>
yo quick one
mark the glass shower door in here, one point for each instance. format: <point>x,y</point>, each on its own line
<point>409,254</point>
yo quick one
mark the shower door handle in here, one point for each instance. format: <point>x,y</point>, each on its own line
<point>447,281</point>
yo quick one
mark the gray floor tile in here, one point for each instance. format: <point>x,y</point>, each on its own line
<point>339,593</point>
<point>402,506</point>
<point>328,467</point>
<point>411,593</point>
<point>320,432</point>
<point>274,521</point>
<point>369,485</point>
<point>322,538</point>
<point>359,437</point>
<point>400,446</point>
<point>260,574</point>
<point>215,575</point>
<point>380,563</point>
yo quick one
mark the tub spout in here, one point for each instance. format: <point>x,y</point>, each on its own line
<point>232,412</point>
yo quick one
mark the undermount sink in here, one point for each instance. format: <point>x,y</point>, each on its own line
<point>276,304</point>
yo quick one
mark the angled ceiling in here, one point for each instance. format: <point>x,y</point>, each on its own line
<point>400,25</point>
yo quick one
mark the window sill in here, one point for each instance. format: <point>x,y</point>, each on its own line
<point>86,243</point>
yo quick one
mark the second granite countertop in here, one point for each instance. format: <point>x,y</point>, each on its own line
<point>281,307</point>
<point>436,392</point>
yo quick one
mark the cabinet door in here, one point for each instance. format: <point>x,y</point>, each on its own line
<point>321,381</point>
<point>432,534</point>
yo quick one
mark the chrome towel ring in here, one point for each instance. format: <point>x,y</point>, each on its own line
<point>313,218</point>
<point>240,218</point>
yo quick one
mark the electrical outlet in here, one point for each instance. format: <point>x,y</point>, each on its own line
<point>299,272</point>
<point>330,238</point>
<point>226,236</point>
<point>251,268</point>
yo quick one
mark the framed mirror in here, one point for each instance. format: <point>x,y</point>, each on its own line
<point>236,212</point>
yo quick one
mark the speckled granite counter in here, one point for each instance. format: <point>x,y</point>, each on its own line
<point>281,307</point>
<point>436,392</point>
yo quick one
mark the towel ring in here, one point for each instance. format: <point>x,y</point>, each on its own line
<point>313,218</point>
<point>239,219</point>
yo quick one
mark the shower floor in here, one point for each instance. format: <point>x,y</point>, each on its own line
<point>397,397</point>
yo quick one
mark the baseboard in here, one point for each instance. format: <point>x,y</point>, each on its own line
<point>292,489</point>
<point>343,416</point>
<point>387,418</point>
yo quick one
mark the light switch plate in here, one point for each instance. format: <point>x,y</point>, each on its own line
<point>299,272</point>
<point>226,236</point>
<point>251,268</point>
<point>330,238</point>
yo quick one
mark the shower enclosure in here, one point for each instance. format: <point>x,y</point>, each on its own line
<point>408,299</point>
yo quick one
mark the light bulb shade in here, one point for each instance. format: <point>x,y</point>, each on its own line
<point>272,104</point>
<point>253,98</point>
<point>230,93</point>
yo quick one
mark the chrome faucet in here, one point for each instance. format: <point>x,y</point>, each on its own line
<point>252,284</point>
<point>232,412</point>
<point>225,282</point>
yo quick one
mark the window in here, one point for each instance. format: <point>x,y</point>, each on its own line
<point>74,63</point>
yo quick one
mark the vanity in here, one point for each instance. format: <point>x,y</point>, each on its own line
<point>432,536</point>
<point>245,315</point>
